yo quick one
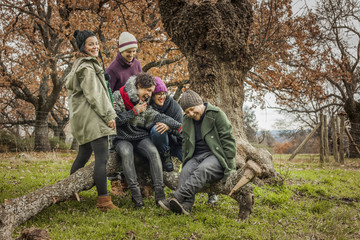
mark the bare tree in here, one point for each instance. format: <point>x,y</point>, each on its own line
<point>320,71</point>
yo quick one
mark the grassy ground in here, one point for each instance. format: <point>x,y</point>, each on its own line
<point>316,202</point>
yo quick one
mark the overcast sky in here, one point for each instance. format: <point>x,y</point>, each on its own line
<point>267,117</point>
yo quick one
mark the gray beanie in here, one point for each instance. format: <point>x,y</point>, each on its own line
<point>190,99</point>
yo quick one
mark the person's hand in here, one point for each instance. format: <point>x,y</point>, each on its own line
<point>111,124</point>
<point>161,127</point>
<point>141,107</point>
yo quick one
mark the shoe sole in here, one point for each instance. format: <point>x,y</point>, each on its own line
<point>161,204</point>
<point>176,207</point>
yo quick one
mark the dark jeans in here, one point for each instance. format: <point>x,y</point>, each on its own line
<point>198,171</point>
<point>164,142</point>
<point>145,148</point>
<point>101,152</point>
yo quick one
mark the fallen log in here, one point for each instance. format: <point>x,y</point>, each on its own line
<point>14,212</point>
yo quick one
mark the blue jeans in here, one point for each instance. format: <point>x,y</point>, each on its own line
<point>145,148</point>
<point>164,142</point>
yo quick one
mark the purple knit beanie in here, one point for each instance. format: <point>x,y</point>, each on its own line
<point>160,86</point>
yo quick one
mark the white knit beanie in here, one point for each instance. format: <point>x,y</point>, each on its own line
<point>126,41</point>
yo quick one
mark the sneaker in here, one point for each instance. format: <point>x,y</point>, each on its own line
<point>138,204</point>
<point>213,198</point>
<point>164,203</point>
<point>176,207</point>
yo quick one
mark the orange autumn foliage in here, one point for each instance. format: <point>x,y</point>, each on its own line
<point>37,50</point>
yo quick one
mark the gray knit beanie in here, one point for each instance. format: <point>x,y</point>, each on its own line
<point>190,99</point>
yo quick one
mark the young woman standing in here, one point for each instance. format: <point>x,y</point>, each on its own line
<point>92,117</point>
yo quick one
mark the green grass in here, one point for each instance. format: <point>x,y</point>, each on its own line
<point>315,202</point>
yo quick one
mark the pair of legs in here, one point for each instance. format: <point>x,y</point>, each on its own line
<point>167,146</point>
<point>165,142</point>
<point>100,148</point>
<point>198,171</point>
<point>145,148</point>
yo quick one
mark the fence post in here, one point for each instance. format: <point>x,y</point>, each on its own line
<point>335,138</point>
<point>341,137</point>
<point>352,141</point>
<point>304,142</point>
<point>326,139</point>
<point>321,138</point>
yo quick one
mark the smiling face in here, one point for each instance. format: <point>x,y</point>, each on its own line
<point>145,93</point>
<point>159,98</point>
<point>92,46</point>
<point>129,54</point>
<point>195,112</point>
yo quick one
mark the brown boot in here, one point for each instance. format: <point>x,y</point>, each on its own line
<point>117,188</point>
<point>104,203</point>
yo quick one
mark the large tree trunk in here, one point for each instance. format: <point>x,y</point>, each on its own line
<point>17,211</point>
<point>352,109</point>
<point>41,132</point>
<point>213,35</point>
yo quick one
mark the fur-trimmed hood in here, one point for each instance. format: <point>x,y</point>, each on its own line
<point>132,92</point>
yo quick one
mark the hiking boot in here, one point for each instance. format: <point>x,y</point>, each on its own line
<point>159,194</point>
<point>117,188</point>
<point>166,162</point>
<point>137,198</point>
<point>104,203</point>
<point>176,207</point>
<point>164,204</point>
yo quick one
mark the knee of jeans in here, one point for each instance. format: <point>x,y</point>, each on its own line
<point>153,153</point>
<point>153,131</point>
<point>155,135</point>
<point>124,150</point>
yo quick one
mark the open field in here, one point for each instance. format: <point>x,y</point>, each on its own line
<point>315,202</point>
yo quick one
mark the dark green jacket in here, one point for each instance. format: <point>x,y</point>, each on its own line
<point>216,131</point>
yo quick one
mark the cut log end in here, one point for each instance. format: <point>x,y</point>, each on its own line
<point>252,169</point>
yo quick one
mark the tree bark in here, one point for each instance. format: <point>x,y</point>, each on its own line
<point>353,114</point>
<point>42,143</point>
<point>213,36</point>
<point>18,210</point>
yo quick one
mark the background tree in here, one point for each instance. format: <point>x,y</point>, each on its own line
<point>37,49</point>
<point>321,65</point>
<point>214,37</point>
<point>217,41</point>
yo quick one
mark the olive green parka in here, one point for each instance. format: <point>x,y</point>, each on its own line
<point>89,101</point>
